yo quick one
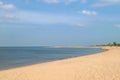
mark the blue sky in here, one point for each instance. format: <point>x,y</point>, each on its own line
<point>59,22</point>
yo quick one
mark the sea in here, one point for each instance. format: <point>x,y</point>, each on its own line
<point>11,57</point>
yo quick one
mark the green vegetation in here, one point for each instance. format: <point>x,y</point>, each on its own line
<point>110,44</point>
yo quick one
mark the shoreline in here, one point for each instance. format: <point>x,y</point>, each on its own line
<point>29,64</point>
<point>99,66</point>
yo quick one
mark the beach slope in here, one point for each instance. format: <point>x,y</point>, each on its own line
<point>100,66</point>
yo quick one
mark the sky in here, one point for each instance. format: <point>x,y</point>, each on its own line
<point>59,22</point>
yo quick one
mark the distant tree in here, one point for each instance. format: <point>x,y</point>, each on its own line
<point>114,44</point>
<point>111,44</point>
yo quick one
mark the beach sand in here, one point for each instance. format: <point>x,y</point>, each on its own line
<point>100,66</point>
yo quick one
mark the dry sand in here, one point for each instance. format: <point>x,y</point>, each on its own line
<point>101,66</point>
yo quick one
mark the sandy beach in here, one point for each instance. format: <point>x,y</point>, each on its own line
<point>100,66</point>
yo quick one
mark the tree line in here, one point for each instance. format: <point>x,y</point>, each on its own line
<point>110,44</point>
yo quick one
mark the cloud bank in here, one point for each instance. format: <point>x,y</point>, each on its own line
<point>102,3</point>
<point>58,1</point>
<point>4,6</point>
<point>6,11</point>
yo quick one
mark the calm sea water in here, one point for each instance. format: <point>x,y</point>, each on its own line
<point>11,57</point>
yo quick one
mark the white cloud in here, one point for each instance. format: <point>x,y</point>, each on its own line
<point>9,12</point>
<point>8,16</point>
<point>102,3</point>
<point>6,6</point>
<point>58,1</point>
<point>29,17</point>
<point>46,18</point>
<point>51,1</point>
<point>88,12</point>
<point>6,11</point>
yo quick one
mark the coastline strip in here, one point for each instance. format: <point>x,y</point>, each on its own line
<point>100,66</point>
